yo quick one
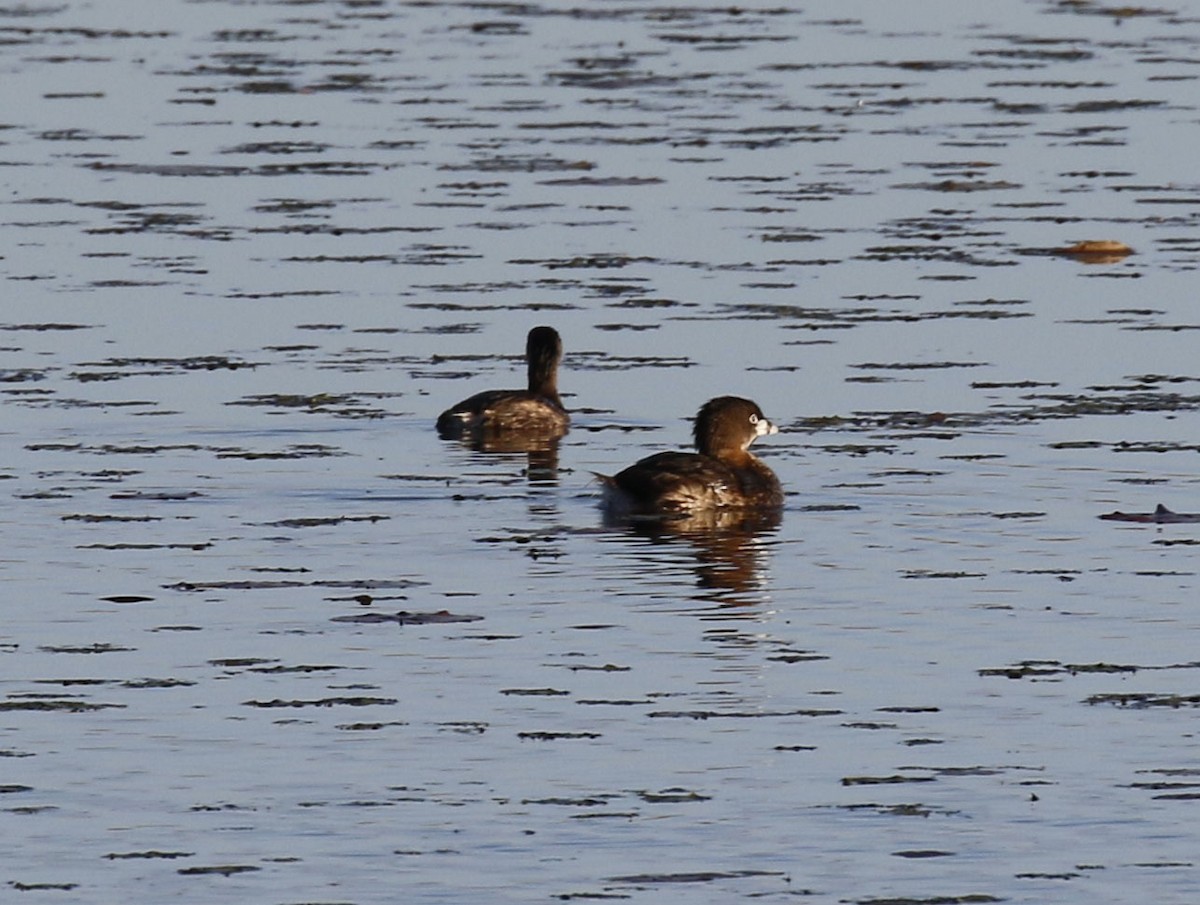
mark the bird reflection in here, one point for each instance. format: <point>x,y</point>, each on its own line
<point>727,545</point>
<point>541,452</point>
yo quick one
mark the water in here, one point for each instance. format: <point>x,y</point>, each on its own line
<point>268,639</point>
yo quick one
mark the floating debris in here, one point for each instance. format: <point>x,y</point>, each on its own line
<point>1096,251</point>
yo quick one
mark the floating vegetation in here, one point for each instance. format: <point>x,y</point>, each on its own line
<point>369,727</point>
<point>302,669</point>
<point>21,375</point>
<point>224,870</point>
<point>96,648</point>
<point>897,810</point>
<point>56,705</point>
<point>716,714</point>
<point>325,702</point>
<point>157,683</point>
<point>695,876</point>
<point>1042,668</point>
<point>535,692</point>
<point>46,327</point>
<point>296,451</point>
<point>114,368</point>
<point>157,496</point>
<point>930,573</point>
<point>594,361</point>
<point>198,546</point>
<point>464,727</point>
<point>1034,407</point>
<point>405,617</point>
<point>105,519</point>
<point>571,802</point>
<point>796,657</point>
<point>326,521</point>
<point>340,405</point>
<point>214,171</point>
<point>586,262</point>
<point>367,584</point>
<point>1144,700</point>
<point>961,185</point>
<point>917,365</point>
<point>239,661</point>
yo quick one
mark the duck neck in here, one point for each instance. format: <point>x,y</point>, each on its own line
<point>543,378</point>
<point>734,457</point>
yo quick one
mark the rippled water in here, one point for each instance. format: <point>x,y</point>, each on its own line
<point>267,639</point>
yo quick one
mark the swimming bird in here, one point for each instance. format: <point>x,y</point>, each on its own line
<point>535,411</point>
<point>721,474</point>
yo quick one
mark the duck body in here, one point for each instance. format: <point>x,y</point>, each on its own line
<point>721,474</point>
<point>501,411</point>
<point>536,410</point>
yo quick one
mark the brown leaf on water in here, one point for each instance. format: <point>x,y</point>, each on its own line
<point>1096,251</point>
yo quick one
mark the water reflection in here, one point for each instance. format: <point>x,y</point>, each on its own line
<point>728,549</point>
<point>541,453</point>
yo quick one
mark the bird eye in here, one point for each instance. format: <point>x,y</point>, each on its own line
<point>754,419</point>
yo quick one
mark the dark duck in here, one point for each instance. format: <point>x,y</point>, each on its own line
<point>535,411</point>
<point>721,475</point>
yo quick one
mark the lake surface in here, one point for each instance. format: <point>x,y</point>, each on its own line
<point>268,639</point>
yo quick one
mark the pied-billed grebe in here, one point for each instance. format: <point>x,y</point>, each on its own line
<point>537,410</point>
<point>722,473</point>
